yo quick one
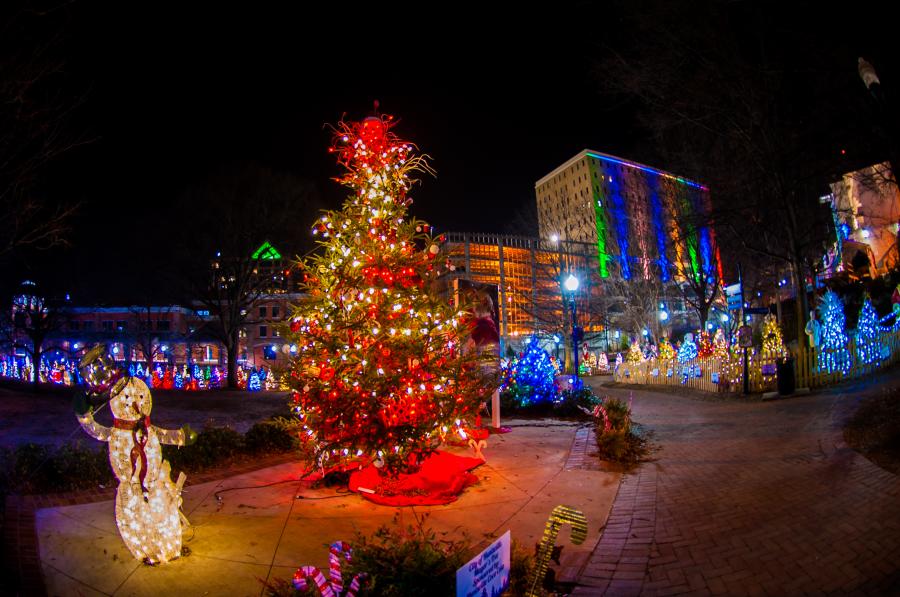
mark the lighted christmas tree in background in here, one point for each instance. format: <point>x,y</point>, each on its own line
<point>833,353</point>
<point>382,370</point>
<point>634,355</point>
<point>705,347</point>
<point>530,380</point>
<point>868,330</point>
<point>253,384</point>
<point>666,352</point>
<point>772,340</point>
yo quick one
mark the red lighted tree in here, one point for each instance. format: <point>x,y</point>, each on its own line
<point>382,371</point>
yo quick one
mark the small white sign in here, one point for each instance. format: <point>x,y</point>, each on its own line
<point>487,574</point>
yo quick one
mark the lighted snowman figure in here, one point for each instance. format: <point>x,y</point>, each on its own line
<point>147,501</point>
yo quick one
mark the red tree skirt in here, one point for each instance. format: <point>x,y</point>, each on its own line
<point>439,480</point>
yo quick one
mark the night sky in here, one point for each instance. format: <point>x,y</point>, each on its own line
<point>497,98</point>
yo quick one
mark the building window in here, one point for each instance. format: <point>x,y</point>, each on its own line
<point>209,353</point>
<point>121,325</point>
<point>263,331</point>
<point>107,326</point>
<point>73,326</point>
<point>275,311</point>
<point>269,353</point>
<point>262,312</point>
<point>87,326</point>
<point>162,326</point>
<point>275,333</point>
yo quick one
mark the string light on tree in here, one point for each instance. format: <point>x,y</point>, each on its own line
<point>530,380</point>
<point>868,332</point>
<point>833,353</point>
<point>666,352</point>
<point>772,340</point>
<point>634,355</point>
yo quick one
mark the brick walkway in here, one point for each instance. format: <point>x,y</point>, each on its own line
<point>758,498</point>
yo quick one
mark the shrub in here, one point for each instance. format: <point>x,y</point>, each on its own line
<point>568,404</point>
<point>34,468</point>
<point>409,561</point>
<point>214,445</point>
<point>621,440</point>
<point>273,436</point>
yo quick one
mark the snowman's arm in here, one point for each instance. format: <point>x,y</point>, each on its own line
<point>174,437</point>
<point>93,428</point>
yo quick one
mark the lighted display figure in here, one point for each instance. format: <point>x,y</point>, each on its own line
<point>813,330</point>
<point>147,501</point>
<point>253,383</point>
<point>688,350</point>
<point>603,363</point>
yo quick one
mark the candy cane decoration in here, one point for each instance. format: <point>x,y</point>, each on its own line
<point>305,573</point>
<point>478,447</point>
<point>559,516</point>
<point>334,587</point>
<point>599,411</point>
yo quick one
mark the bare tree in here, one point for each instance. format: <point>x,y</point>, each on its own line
<point>36,107</point>
<point>753,118</point>
<point>30,322</point>
<point>150,331</point>
<point>240,208</point>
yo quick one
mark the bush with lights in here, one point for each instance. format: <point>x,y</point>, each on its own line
<point>382,372</point>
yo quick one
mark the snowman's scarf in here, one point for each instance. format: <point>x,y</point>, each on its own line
<point>140,433</point>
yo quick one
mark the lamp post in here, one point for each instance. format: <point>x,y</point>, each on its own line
<point>571,285</point>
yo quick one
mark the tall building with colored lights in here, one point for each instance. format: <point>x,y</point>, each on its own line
<point>638,219</point>
<point>528,274</point>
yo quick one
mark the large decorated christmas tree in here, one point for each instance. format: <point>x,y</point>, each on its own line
<point>384,369</point>
<point>833,353</point>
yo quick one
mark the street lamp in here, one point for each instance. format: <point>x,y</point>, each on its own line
<point>571,285</point>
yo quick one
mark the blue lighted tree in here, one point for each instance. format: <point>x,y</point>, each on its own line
<point>833,353</point>
<point>532,377</point>
<point>253,382</point>
<point>868,329</point>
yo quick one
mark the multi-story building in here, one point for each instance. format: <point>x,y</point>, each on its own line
<point>528,273</point>
<point>641,221</point>
<point>865,205</point>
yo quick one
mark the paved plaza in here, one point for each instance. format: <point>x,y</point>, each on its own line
<point>751,498</point>
<point>262,533</point>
